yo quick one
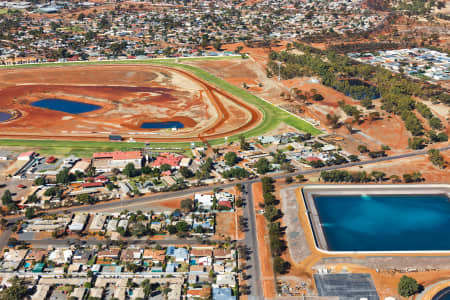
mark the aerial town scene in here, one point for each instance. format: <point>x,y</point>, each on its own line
<point>224,150</point>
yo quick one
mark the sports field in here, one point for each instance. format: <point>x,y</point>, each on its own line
<point>271,116</point>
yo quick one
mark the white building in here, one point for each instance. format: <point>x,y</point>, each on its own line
<point>204,201</point>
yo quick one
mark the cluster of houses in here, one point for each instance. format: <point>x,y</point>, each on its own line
<point>415,62</point>
<point>147,29</point>
<point>116,225</point>
<point>114,273</point>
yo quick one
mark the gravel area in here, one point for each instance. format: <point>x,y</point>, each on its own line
<point>297,244</point>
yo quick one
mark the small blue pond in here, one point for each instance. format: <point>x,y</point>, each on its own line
<point>385,222</point>
<point>162,125</point>
<point>67,106</point>
<point>4,116</point>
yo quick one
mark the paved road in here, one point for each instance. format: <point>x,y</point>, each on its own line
<point>249,213</point>
<point>4,238</point>
<point>251,241</point>
<point>183,193</point>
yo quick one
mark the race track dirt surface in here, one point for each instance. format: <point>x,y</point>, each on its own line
<point>129,95</point>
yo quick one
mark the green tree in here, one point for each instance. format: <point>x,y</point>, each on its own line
<point>187,205</point>
<point>436,158</point>
<point>231,159</point>
<point>244,145</point>
<point>29,213</point>
<point>40,180</point>
<point>262,166</point>
<point>18,290</point>
<point>7,197</point>
<point>129,170</point>
<point>63,176</point>
<point>182,226</point>
<point>271,213</point>
<point>408,286</point>
<point>280,266</point>
<point>186,172</point>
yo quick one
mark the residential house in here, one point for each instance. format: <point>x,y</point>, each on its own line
<point>222,294</point>
<point>97,223</point>
<point>81,256</point>
<point>204,201</point>
<point>110,254</point>
<point>106,161</point>
<point>78,293</point>
<point>227,280</point>
<point>60,256</point>
<point>166,158</point>
<point>155,256</point>
<point>131,255</point>
<point>181,255</point>
<point>36,255</point>
<point>78,223</point>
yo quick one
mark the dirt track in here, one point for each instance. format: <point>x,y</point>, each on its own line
<point>129,96</point>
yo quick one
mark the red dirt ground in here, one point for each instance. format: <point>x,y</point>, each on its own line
<point>128,96</point>
<point>265,255</point>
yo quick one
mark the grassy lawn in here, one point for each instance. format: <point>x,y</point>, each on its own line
<point>85,149</point>
<point>273,115</point>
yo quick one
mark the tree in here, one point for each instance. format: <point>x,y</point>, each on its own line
<point>416,143</point>
<point>18,290</point>
<point>436,158</point>
<point>165,167</point>
<point>172,229</point>
<point>186,172</point>
<point>333,120</point>
<point>187,205</point>
<point>317,97</point>
<point>300,178</point>
<point>63,176</point>
<point>280,266</point>
<point>81,17</point>
<point>289,180</point>
<point>29,213</point>
<point>363,149</point>
<point>110,186</point>
<point>40,180</point>
<point>271,213</point>
<point>217,44</point>
<point>408,286</point>
<point>182,226</point>
<point>244,145</point>
<point>147,287</point>
<point>129,170</point>
<point>231,159</point>
<point>262,166</point>
<point>7,198</point>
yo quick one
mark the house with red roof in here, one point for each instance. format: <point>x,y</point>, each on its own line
<point>107,161</point>
<point>170,159</point>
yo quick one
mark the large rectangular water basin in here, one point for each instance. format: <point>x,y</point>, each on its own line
<point>366,221</point>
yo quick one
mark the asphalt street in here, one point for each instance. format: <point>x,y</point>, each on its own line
<point>251,241</point>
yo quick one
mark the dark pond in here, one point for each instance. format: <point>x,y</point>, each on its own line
<point>162,125</point>
<point>5,116</point>
<point>67,106</point>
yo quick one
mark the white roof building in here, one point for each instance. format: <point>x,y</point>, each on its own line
<point>97,223</point>
<point>204,201</point>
